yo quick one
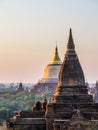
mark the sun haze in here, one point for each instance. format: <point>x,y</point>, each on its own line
<point>29,29</point>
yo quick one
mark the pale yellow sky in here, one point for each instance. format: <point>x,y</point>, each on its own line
<point>29,29</point>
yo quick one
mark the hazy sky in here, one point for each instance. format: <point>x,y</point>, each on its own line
<point>29,29</point>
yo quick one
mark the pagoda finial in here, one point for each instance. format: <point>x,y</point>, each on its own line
<point>70,44</point>
<point>56,49</point>
<point>56,59</point>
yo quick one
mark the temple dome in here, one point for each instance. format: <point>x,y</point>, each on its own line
<point>51,71</point>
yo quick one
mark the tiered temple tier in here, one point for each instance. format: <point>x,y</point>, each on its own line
<point>72,95</point>
<point>69,98</point>
<point>65,90</point>
<point>73,99</point>
<point>65,110</point>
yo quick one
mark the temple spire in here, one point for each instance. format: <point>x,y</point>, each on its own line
<point>70,44</point>
<point>56,59</point>
<point>71,73</point>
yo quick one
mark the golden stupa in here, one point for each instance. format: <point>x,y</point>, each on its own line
<point>56,59</point>
<point>52,70</point>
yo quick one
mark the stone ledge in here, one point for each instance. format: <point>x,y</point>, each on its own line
<point>28,121</point>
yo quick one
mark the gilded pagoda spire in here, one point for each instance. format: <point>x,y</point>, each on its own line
<point>56,59</point>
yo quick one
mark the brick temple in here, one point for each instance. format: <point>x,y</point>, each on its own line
<point>71,107</point>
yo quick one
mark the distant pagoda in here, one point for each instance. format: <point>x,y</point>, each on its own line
<point>50,78</point>
<point>51,71</point>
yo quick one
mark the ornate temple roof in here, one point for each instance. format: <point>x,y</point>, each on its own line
<point>71,73</point>
<point>56,59</point>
